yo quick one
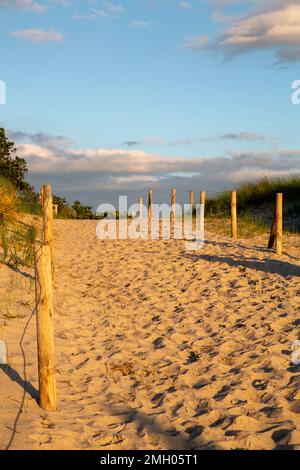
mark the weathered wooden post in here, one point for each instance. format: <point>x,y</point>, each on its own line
<point>191,201</point>
<point>47,207</point>
<point>202,210</point>
<point>202,197</point>
<point>140,208</point>
<point>45,336</point>
<point>278,242</point>
<point>233,216</point>
<point>172,213</point>
<point>150,202</point>
<point>173,204</point>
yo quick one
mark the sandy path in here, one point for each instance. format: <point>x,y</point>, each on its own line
<point>159,348</point>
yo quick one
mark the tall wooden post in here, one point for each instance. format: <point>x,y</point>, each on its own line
<point>45,337</point>
<point>202,210</point>
<point>141,208</point>
<point>47,206</point>
<point>172,215</point>
<point>191,201</point>
<point>233,216</point>
<point>150,202</point>
<point>202,197</point>
<point>173,204</point>
<point>278,242</point>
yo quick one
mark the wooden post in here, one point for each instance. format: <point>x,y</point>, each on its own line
<point>191,201</point>
<point>202,210</point>
<point>141,208</point>
<point>233,216</point>
<point>202,197</point>
<point>278,242</point>
<point>172,214</point>
<point>173,204</point>
<point>150,202</point>
<point>272,233</point>
<point>47,206</point>
<point>45,337</point>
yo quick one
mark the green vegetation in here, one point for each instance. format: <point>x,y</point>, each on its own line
<point>16,238</point>
<point>256,204</point>
<point>14,169</point>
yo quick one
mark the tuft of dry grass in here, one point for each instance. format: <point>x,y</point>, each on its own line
<point>16,238</point>
<point>9,200</point>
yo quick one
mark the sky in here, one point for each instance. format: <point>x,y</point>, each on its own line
<point>115,97</point>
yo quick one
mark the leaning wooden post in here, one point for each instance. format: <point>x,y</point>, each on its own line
<point>233,216</point>
<point>278,242</point>
<point>45,337</point>
<point>47,206</point>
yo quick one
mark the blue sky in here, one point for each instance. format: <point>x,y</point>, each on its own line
<point>129,94</point>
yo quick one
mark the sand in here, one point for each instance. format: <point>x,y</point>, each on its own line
<point>156,347</point>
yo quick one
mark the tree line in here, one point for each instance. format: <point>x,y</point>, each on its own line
<point>14,169</point>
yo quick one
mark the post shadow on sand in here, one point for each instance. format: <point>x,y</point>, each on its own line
<point>173,439</point>
<point>237,244</point>
<point>269,265</point>
<point>24,384</point>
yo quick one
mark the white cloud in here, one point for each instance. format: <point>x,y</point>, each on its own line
<point>186,5</point>
<point>56,154</point>
<point>274,26</point>
<point>24,5</point>
<point>196,42</point>
<point>38,35</point>
<point>141,24</point>
<point>86,173</point>
<point>108,10</point>
<point>248,136</point>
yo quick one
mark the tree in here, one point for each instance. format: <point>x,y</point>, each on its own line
<point>83,212</point>
<point>14,168</point>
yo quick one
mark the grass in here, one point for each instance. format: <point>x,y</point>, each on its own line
<point>256,205</point>
<point>8,200</point>
<point>257,194</point>
<point>248,226</point>
<point>16,238</point>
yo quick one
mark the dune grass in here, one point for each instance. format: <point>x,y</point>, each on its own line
<point>16,238</point>
<point>256,205</point>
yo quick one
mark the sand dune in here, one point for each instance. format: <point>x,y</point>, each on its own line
<point>156,347</point>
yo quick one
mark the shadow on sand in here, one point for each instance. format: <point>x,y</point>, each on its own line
<point>267,265</point>
<point>24,384</point>
<point>170,438</point>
